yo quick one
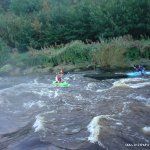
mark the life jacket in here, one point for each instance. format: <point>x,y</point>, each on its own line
<point>58,78</point>
<point>141,69</point>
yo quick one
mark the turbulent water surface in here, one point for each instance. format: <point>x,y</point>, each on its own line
<point>89,115</point>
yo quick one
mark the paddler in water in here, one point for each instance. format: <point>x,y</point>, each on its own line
<point>140,68</point>
<point>59,76</point>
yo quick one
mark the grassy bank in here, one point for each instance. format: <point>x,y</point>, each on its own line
<point>112,53</point>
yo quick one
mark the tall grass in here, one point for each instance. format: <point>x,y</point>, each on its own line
<point>115,52</point>
<point>73,53</point>
<point>145,49</point>
<point>4,53</point>
<point>120,52</point>
<point>111,53</point>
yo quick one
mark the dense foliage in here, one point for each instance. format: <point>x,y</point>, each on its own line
<point>111,53</point>
<point>40,23</point>
<point>47,33</point>
<point>4,53</point>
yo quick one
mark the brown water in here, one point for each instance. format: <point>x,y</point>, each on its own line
<point>89,115</point>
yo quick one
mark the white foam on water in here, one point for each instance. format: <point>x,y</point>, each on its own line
<point>39,123</point>
<point>66,78</point>
<point>101,90</point>
<point>35,81</point>
<point>140,98</point>
<point>79,97</point>
<point>139,85</point>
<point>56,93</point>
<point>81,139</point>
<point>40,104</point>
<point>72,77</point>
<point>134,79</point>
<point>95,128</point>
<point>120,83</point>
<point>125,108</point>
<point>28,104</point>
<point>50,112</point>
<point>119,124</point>
<point>43,92</point>
<point>71,131</point>
<point>146,130</point>
<point>131,82</point>
<point>25,87</point>
<point>71,106</point>
<point>90,86</point>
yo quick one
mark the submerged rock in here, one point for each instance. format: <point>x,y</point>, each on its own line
<point>102,76</point>
<point>146,130</point>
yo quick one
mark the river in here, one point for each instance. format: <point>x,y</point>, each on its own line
<point>111,114</point>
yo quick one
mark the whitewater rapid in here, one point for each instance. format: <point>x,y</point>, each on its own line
<point>89,112</point>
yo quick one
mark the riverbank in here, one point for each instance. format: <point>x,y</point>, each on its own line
<point>111,55</point>
<point>89,71</point>
<point>10,70</point>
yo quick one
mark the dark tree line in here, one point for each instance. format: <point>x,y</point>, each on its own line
<point>39,23</point>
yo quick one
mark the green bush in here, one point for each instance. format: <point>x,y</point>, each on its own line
<point>110,53</point>
<point>145,53</point>
<point>139,49</point>
<point>40,60</point>
<point>74,53</point>
<point>19,59</point>
<point>28,60</point>
<point>114,52</point>
<point>16,30</point>
<point>4,53</point>
<point>133,53</point>
<point>145,49</point>
<point>25,6</point>
<point>39,23</point>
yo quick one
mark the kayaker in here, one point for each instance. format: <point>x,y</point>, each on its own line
<point>140,68</point>
<point>136,68</point>
<point>59,76</point>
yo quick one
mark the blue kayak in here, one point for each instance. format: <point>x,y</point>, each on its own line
<point>137,74</point>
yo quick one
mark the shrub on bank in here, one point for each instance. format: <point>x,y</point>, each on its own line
<point>73,53</point>
<point>111,53</point>
<point>116,52</point>
<point>4,53</point>
<point>120,52</point>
